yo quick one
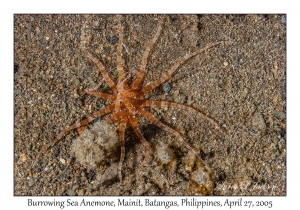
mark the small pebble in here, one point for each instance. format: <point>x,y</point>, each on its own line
<point>83,179</point>
<point>23,157</point>
<point>167,87</point>
<point>68,172</point>
<point>77,82</point>
<point>225,63</point>
<point>91,175</point>
<point>115,72</point>
<point>279,114</point>
<point>71,192</point>
<point>80,192</point>
<point>236,20</point>
<point>258,121</point>
<point>63,161</point>
<point>113,39</point>
<point>96,23</point>
<point>56,152</point>
<point>16,68</point>
<point>35,135</point>
<point>78,35</point>
<point>43,23</point>
<point>200,176</point>
<point>30,181</point>
<point>279,107</point>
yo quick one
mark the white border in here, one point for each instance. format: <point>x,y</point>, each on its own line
<point>8,8</point>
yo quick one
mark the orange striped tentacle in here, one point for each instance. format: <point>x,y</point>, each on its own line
<point>122,128</point>
<point>159,124</point>
<point>119,50</point>
<point>102,70</point>
<point>169,73</point>
<point>140,77</point>
<point>117,104</point>
<point>129,93</point>
<point>101,95</point>
<point>134,124</point>
<point>180,106</point>
<point>84,122</point>
<point>100,66</point>
<point>116,116</point>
